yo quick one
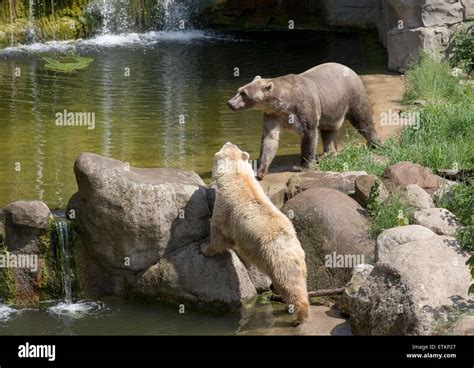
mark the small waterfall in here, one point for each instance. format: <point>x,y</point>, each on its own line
<point>12,40</point>
<point>117,16</point>
<point>31,33</point>
<point>64,252</point>
<point>174,15</point>
<point>52,16</point>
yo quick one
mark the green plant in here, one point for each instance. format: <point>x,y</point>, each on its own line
<point>463,47</point>
<point>66,64</point>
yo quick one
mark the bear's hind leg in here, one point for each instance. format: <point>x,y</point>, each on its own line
<point>297,302</point>
<point>329,138</point>
<point>360,117</point>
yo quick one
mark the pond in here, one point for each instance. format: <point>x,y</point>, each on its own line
<point>157,99</point>
<point>117,318</point>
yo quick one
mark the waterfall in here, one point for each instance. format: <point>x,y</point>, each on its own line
<point>11,20</point>
<point>174,14</point>
<point>62,238</point>
<point>52,16</point>
<point>117,16</point>
<point>31,36</point>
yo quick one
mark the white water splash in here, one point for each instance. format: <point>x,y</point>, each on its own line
<point>119,40</point>
<point>77,310</point>
<point>7,313</point>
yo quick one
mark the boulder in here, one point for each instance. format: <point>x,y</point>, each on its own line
<point>342,181</point>
<point>27,267</point>
<point>404,45</point>
<point>260,281</point>
<point>418,287</point>
<point>351,290</point>
<point>441,13</point>
<point>440,220</point>
<point>140,231</point>
<point>391,238</point>
<point>274,185</point>
<point>417,197</point>
<point>468,9</point>
<point>186,276</point>
<point>464,326</point>
<point>363,186</point>
<point>22,224</point>
<point>130,217</point>
<point>404,173</point>
<point>334,232</point>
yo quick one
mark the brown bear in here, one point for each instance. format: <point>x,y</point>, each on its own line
<point>320,98</point>
<point>244,219</point>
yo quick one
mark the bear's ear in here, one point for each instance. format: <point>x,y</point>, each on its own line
<point>268,87</point>
<point>257,77</point>
<point>245,156</point>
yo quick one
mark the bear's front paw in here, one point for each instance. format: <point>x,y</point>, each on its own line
<point>260,174</point>
<point>297,322</point>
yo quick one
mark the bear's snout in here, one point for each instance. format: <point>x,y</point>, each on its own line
<point>229,103</point>
<point>236,103</point>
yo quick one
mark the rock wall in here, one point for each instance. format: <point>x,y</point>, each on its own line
<point>404,26</point>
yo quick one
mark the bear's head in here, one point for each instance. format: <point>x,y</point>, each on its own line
<point>230,159</point>
<point>252,95</point>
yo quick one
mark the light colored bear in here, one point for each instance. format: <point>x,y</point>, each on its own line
<point>246,220</point>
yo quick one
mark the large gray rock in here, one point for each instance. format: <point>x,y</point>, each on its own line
<point>391,238</point>
<point>330,225</point>
<point>22,223</point>
<point>275,186</point>
<point>418,287</point>
<point>185,276</point>
<point>468,9</point>
<point>353,286</point>
<point>132,217</point>
<point>440,220</point>
<point>404,45</point>
<point>142,228</point>
<point>417,197</point>
<point>464,326</point>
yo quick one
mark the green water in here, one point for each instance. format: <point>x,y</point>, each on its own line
<point>115,318</point>
<point>169,112</point>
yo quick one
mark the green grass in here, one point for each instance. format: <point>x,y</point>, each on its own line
<point>431,80</point>
<point>393,212</point>
<point>354,157</point>
<point>444,137</point>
